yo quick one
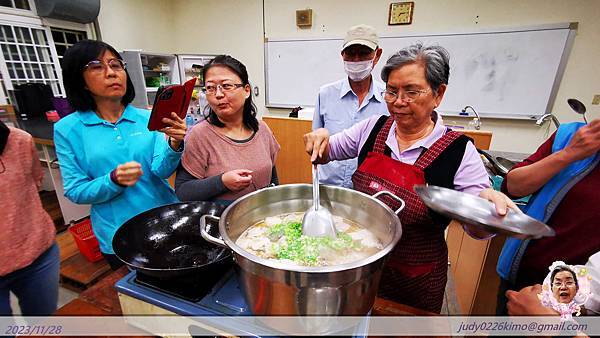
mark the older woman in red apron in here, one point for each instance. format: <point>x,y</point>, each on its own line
<point>411,146</point>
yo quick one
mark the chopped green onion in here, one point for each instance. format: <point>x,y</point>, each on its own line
<point>301,249</point>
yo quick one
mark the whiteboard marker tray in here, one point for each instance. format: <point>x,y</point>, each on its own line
<point>476,211</point>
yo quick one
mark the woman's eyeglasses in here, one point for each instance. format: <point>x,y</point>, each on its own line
<point>568,284</point>
<point>406,95</point>
<point>98,66</point>
<point>225,88</point>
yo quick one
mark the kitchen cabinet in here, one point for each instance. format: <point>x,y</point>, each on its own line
<point>292,163</point>
<point>473,266</point>
<point>472,262</point>
<point>149,71</point>
<point>481,138</point>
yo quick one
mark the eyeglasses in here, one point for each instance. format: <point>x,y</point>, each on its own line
<point>98,66</point>
<point>225,88</point>
<point>407,95</point>
<point>568,284</point>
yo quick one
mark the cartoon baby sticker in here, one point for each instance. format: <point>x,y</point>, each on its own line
<point>565,289</point>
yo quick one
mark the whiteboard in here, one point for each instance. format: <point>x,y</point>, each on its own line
<point>509,73</point>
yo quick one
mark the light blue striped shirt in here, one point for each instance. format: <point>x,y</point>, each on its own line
<point>89,148</point>
<point>337,109</point>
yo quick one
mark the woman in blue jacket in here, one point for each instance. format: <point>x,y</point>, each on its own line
<point>108,157</point>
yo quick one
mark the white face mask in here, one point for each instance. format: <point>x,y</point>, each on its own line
<point>358,70</point>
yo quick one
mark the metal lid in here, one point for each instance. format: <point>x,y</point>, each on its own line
<point>473,210</point>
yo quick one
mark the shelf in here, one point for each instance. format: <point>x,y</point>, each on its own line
<point>156,71</point>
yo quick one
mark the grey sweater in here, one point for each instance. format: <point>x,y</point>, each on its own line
<point>190,188</point>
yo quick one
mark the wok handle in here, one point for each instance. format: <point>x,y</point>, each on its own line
<point>206,235</point>
<point>385,192</point>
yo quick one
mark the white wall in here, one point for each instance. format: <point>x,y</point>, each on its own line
<point>137,24</point>
<point>223,27</point>
<point>236,27</point>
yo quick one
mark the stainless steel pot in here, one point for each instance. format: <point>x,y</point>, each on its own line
<point>274,288</point>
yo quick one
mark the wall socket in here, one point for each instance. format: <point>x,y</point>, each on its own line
<point>596,99</point>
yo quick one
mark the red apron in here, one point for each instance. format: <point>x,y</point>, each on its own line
<point>416,271</point>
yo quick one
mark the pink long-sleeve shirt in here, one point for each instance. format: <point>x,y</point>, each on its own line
<point>26,229</point>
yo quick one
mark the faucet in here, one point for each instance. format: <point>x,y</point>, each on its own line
<point>476,120</point>
<point>544,117</point>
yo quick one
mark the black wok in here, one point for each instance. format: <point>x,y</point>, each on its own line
<point>165,242</point>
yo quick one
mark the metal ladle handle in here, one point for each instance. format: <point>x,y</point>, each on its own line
<point>315,175</point>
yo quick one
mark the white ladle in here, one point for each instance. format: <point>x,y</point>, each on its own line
<point>317,221</point>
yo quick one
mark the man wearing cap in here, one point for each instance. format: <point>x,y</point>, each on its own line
<point>356,97</point>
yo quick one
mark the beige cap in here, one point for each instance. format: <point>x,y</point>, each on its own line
<point>361,35</point>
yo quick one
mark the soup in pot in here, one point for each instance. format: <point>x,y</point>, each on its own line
<point>280,238</point>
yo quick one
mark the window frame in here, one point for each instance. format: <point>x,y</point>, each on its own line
<point>34,24</point>
<point>88,28</point>
<point>3,93</point>
<point>21,12</point>
<point>28,18</point>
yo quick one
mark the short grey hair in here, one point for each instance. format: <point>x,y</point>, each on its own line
<point>436,60</point>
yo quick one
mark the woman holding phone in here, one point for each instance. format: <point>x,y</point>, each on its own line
<point>108,157</point>
<point>231,153</point>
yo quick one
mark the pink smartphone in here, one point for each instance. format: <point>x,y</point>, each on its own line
<point>173,98</point>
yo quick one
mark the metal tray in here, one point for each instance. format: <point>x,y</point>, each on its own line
<point>473,210</point>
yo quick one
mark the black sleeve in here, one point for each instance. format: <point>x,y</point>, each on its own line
<point>190,188</point>
<point>274,178</point>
